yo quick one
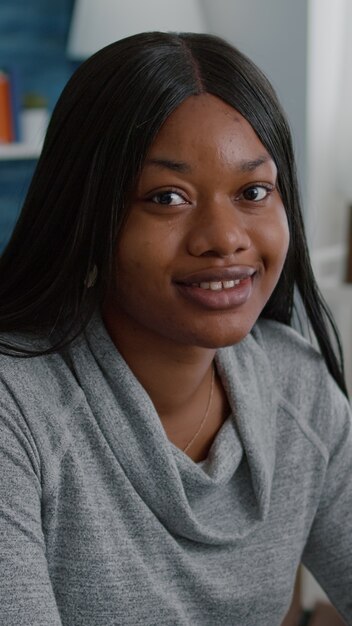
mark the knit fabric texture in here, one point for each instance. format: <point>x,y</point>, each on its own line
<point>103,521</point>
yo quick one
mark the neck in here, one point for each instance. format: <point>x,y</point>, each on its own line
<point>173,375</point>
<point>178,379</point>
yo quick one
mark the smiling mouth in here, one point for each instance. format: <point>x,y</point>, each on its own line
<point>218,285</point>
<point>218,294</point>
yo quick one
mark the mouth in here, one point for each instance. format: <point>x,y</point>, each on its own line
<point>216,289</point>
<point>218,285</point>
<point>218,277</point>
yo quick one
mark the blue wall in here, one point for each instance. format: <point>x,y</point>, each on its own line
<point>33,36</point>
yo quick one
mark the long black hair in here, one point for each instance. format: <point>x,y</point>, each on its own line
<point>104,122</point>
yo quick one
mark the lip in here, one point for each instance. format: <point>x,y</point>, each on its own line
<point>217,274</point>
<point>223,299</point>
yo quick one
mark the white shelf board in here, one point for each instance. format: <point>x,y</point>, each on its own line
<point>13,151</point>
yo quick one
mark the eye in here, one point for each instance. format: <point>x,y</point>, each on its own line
<point>169,197</point>
<point>257,193</point>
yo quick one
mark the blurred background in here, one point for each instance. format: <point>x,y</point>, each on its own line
<point>305,49</point>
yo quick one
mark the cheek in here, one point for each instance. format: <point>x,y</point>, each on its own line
<point>135,248</point>
<point>142,263</point>
<point>145,243</point>
<point>276,238</point>
<point>284,237</point>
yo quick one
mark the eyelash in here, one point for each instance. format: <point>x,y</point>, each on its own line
<point>166,192</point>
<point>267,187</point>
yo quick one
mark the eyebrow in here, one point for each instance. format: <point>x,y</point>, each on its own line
<point>250,166</point>
<point>175,166</point>
<point>184,168</point>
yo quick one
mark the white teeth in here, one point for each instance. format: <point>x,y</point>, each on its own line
<point>218,285</point>
<point>215,286</point>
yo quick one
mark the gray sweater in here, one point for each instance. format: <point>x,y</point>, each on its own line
<point>103,521</point>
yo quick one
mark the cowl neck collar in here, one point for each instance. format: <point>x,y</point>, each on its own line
<point>183,494</point>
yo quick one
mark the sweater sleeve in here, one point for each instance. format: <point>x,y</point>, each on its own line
<point>328,552</point>
<point>26,593</point>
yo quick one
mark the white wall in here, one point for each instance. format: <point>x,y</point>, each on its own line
<point>273,33</point>
<point>330,156</point>
<point>326,73</point>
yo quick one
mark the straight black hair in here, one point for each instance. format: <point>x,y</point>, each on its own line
<point>101,129</point>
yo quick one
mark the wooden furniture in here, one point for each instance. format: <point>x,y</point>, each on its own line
<point>293,616</point>
<point>325,615</point>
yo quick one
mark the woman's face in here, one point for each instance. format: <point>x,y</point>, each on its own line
<point>206,236</point>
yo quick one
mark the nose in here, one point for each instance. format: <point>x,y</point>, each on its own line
<point>219,229</point>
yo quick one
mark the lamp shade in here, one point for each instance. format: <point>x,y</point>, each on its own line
<point>95,24</point>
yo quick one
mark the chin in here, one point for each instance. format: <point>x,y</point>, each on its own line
<point>223,342</point>
<point>214,340</point>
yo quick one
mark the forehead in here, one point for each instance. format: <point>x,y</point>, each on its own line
<point>205,123</point>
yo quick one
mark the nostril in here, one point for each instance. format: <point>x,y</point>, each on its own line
<point>213,246</point>
<point>217,236</point>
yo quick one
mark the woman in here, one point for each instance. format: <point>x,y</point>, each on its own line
<point>171,448</point>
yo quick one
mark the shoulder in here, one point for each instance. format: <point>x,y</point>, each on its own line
<point>306,390</point>
<point>33,377</point>
<point>288,351</point>
<point>37,397</point>
<point>299,370</point>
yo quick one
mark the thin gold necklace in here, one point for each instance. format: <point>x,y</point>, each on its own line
<point>206,410</point>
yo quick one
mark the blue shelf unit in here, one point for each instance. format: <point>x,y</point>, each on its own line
<point>33,37</point>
